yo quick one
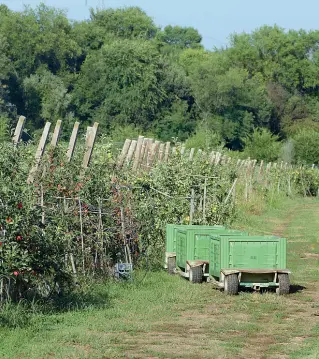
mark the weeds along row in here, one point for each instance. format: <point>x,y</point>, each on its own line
<point>71,222</point>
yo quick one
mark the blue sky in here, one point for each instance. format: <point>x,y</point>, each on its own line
<point>215,19</point>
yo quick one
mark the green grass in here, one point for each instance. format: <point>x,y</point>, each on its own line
<point>160,316</point>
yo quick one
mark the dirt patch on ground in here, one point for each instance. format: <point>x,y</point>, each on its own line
<point>310,255</point>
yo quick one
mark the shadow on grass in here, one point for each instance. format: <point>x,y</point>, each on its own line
<point>295,288</point>
<point>34,313</point>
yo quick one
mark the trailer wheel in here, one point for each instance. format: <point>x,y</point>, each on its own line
<point>231,284</point>
<point>284,284</point>
<point>171,265</point>
<point>196,274</point>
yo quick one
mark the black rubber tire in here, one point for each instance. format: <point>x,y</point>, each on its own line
<point>284,284</point>
<point>171,265</point>
<point>231,284</point>
<point>196,274</point>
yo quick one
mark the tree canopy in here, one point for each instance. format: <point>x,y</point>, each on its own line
<point>119,68</point>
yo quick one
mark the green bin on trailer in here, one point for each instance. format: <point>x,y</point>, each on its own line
<point>171,231</point>
<point>249,261</point>
<point>193,250</point>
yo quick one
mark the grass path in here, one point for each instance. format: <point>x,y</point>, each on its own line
<point>167,317</point>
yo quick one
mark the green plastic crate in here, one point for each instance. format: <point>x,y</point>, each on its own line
<point>193,244</point>
<point>256,260</point>
<point>171,231</point>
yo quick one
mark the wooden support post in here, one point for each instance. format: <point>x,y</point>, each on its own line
<point>218,157</point>
<point>153,152</point>
<point>260,168</point>
<point>148,152</point>
<point>39,152</point>
<point>191,155</point>
<point>212,157</point>
<point>56,134</point>
<point>204,201</point>
<point>161,152</point>
<point>18,131</point>
<point>82,236</point>
<point>72,142</point>
<point>87,135</point>
<point>168,145</point>
<point>231,190</point>
<point>90,145</point>
<point>138,153</point>
<point>131,151</point>
<point>124,153</point>
<point>144,147</point>
<point>192,207</point>
<point>144,154</point>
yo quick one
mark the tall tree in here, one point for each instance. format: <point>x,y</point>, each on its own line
<point>121,82</point>
<point>180,37</point>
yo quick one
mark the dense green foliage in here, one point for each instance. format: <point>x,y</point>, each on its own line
<point>69,223</point>
<point>120,69</point>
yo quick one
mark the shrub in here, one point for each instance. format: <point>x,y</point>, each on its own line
<point>204,139</point>
<point>306,181</point>
<point>306,146</point>
<point>262,145</point>
<point>32,258</point>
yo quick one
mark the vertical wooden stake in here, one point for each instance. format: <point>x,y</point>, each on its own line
<point>128,257</point>
<point>138,152</point>
<point>144,147</point>
<point>82,237</point>
<point>88,133</point>
<point>212,157</point>
<point>168,145</point>
<point>161,152</point>
<point>131,152</point>
<point>147,153</point>
<point>124,152</point>
<point>192,205</point>
<point>101,233</point>
<point>232,190</point>
<point>39,152</point>
<point>72,142</point>
<point>153,153</point>
<point>191,155</point>
<point>18,131</point>
<point>204,201</point>
<point>174,150</point>
<point>90,145</point>
<point>56,134</point>
<point>42,206</point>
